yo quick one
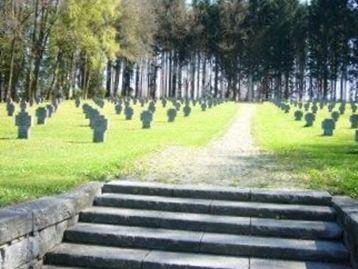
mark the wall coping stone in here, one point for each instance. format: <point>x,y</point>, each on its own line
<point>31,217</point>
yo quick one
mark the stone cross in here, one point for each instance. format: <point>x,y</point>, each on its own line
<point>93,114</point>
<point>204,106</point>
<point>314,109</point>
<point>328,126</point>
<point>331,106</point>
<point>23,106</point>
<point>164,102</point>
<point>307,106</point>
<point>210,103</point>
<point>310,118</point>
<point>187,111</point>
<point>287,109</point>
<point>50,110</point>
<point>354,121</point>
<point>129,112</point>
<point>146,117</point>
<point>10,107</point>
<point>55,105</point>
<point>151,107</point>
<point>335,115</point>
<point>77,102</point>
<point>118,108</point>
<point>342,109</point>
<point>177,105</point>
<point>41,114</point>
<point>23,121</point>
<point>298,115</point>
<point>100,127</point>
<point>171,113</point>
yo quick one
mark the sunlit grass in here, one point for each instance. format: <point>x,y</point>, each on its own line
<point>61,155</point>
<point>329,163</point>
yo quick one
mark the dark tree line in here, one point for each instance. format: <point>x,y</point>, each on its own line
<point>239,49</point>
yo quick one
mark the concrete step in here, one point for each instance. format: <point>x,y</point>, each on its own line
<point>86,256</point>
<point>61,267</point>
<point>208,243</point>
<point>219,193</point>
<point>211,223</point>
<point>204,206</point>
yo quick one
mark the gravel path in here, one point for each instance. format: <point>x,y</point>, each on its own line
<point>231,160</point>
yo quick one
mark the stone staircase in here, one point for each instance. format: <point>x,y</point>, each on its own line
<point>136,225</point>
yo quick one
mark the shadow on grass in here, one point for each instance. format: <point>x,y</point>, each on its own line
<point>79,142</point>
<point>7,138</point>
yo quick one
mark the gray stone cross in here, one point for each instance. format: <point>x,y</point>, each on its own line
<point>335,115</point>
<point>129,112</point>
<point>298,115</point>
<point>310,118</point>
<point>152,107</point>
<point>187,111</point>
<point>171,113</point>
<point>50,110</point>
<point>354,121</point>
<point>23,121</point>
<point>100,127</point>
<point>10,107</point>
<point>204,106</point>
<point>146,117</point>
<point>328,126</point>
<point>118,108</point>
<point>41,114</point>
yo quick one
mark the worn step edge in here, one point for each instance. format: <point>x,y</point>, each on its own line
<point>209,243</point>
<point>211,223</point>
<point>108,258</point>
<point>169,260</point>
<point>245,209</point>
<point>219,193</point>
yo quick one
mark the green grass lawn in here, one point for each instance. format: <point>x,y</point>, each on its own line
<point>329,163</point>
<point>61,155</point>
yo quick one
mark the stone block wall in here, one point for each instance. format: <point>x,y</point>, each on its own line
<point>347,210</point>
<point>29,230</point>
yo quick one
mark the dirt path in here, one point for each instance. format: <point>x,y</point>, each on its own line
<point>232,160</point>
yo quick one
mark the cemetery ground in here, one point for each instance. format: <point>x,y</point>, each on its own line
<point>261,146</point>
<point>320,162</point>
<point>60,155</point>
<point>265,148</point>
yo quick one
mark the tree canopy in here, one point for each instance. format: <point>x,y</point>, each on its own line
<point>240,49</point>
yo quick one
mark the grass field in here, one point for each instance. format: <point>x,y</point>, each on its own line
<point>61,154</point>
<point>329,163</point>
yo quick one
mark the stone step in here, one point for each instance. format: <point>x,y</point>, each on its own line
<point>61,267</point>
<point>117,258</point>
<point>204,206</point>
<point>211,223</point>
<point>219,193</point>
<point>208,243</point>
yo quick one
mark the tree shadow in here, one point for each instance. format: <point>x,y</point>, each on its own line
<point>7,138</point>
<point>79,142</point>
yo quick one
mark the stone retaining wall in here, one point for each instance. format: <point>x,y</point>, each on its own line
<point>29,230</point>
<point>347,209</point>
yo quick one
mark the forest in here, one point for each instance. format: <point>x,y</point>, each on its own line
<point>245,50</point>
